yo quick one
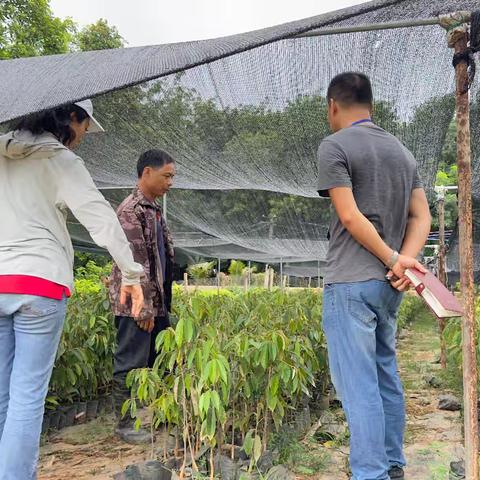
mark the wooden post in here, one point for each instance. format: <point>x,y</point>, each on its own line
<point>458,38</point>
<point>266,281</point>
<point>441,271</point>
<point>282,286</point>
<point>185,280</point>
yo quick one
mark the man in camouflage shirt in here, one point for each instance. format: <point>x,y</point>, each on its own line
<point>151,243</point>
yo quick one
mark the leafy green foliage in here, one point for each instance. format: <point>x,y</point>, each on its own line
<point>99,36</point>
<point>234,364</point>
<point>28,28</point>
<point>409,309</point>
<point>201,270</point>
<point>453,339</point>
<point>84,362</point>
<point>237,268</point>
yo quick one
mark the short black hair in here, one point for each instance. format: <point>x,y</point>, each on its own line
<point>351,88</point>
<point>56,121</point>
<point>153,158</point>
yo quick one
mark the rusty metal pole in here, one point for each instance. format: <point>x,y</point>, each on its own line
<point>441,270</point>
<point>466,262</point>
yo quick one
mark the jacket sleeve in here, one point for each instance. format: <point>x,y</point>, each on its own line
<point>76,189</point>
<point>132,226</point>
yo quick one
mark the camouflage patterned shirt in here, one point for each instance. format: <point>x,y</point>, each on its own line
<point>139,219</point>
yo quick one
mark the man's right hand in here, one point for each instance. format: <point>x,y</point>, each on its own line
<point>146,325</point>
<point>136,294</point>
<point>401,282</point>
<point>404,262</point>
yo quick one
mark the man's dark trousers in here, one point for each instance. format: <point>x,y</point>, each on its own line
<point>135,349</point>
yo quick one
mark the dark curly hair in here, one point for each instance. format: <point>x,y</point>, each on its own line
<point>56,121</point>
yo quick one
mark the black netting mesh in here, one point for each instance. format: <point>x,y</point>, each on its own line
<point>453,256</point>
<point>244,116</point>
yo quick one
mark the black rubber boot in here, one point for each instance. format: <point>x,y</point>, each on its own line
<point>396,473</point>
<point>125,428</point>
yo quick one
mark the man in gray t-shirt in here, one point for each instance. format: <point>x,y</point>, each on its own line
<point>380,209</point>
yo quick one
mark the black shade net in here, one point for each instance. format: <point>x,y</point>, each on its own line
<point>244,115</point>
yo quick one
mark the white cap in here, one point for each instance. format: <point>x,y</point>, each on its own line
<point>94,126</point>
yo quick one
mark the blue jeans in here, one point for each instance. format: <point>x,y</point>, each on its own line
<point>30,329</point>
<point>359,320</point>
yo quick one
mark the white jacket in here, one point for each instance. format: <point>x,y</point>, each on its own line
<point>39,179</point>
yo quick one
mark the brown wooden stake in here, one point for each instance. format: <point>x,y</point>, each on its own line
<point>441,272</point>
<point>466,265</point>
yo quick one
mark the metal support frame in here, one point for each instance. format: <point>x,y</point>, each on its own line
<point>371,27</point>
<point>441,191</point>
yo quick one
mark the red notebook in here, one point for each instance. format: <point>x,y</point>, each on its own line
<point>441,301</point>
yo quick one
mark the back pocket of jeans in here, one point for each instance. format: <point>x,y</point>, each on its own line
<point>39,307</point>
<point>360,311</point>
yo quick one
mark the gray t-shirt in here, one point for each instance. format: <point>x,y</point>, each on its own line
<point>382,174</point>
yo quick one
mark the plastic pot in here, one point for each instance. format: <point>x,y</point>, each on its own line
<point>105,404</point>
<point>69,411</point>
<point>46,423</point>
<point>61,420</point>
<point>54,419</point>
<point>81,415</point>
<point>92,409</point>
<point>108,403</point>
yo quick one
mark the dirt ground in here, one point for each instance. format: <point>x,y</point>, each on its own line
<point>433,437</point>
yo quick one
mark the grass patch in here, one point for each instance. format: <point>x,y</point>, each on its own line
<point>305,457</point>
<point>93,431</point>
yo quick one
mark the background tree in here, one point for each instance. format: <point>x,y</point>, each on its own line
<point>28,28</point>
<point>99,36</point>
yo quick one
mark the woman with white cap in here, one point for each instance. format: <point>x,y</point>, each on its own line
<point>40,177</point>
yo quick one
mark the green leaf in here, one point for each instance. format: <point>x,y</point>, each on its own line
<point>264,357</point>
<point>257,448</point>
<point>248,443</point>
<point>71,376</point>
<point>274,384</point>
<point>206,371</point>
<point>191,357</point>
<point>204,403</point>
<point>223,371</point>
<point>195,402</point>
<point>215,400</point>
<point>138,424</point>
<point>214,372</point>
<point>175,388</point>
<point>211,424</point>
<point>188,330</point>
<point>179,332</point>
<point>125,407</point>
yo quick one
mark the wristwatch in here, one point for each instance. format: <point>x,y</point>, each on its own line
<point>393,259</point>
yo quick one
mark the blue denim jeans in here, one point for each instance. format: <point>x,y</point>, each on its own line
<point>30,329</point>
<point>359,320</point>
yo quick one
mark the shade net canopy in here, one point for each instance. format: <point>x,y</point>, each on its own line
<point>244,115</point>
<point>453,250</point>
